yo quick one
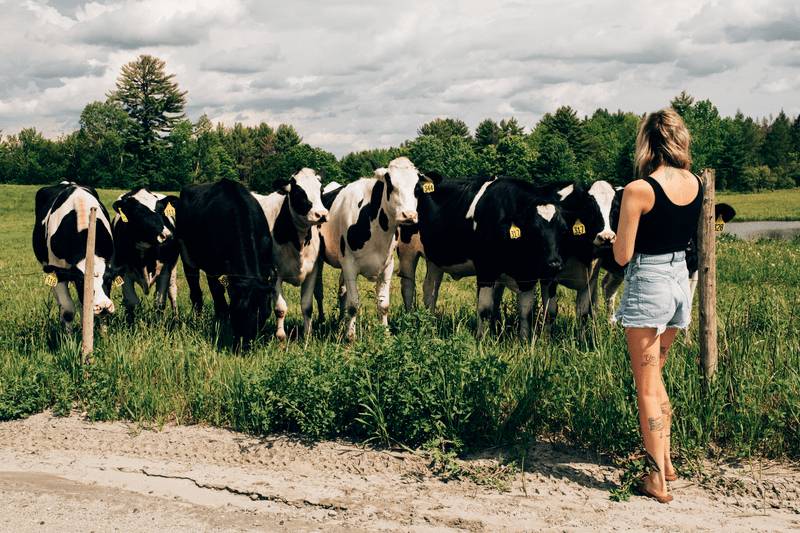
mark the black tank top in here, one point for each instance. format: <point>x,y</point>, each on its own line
<point>667,227</point>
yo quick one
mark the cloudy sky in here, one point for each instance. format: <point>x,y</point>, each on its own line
<point>352,75</point>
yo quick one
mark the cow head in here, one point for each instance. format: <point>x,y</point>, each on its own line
<point>590,208</point>
<point>251,305</point>
<point>149,217</point>
<point>103,277</point>
<point>400,181</point>
<point>549,228</point>
<point>305,198</point>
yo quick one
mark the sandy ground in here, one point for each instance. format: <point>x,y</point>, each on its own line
<point>66,474</point>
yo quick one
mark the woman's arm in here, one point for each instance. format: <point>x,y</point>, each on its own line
<point>637,199</point>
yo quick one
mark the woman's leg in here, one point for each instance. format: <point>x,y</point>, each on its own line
<point>645,351</point>
<point>666,339</point>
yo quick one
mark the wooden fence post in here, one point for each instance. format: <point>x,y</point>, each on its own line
<point>707,283</point>
<point>87,315</point>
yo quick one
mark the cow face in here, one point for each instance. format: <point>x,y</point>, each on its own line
<point>400,182</point>
<point>551,228</point>
<point>103,277</point>
<point>305,198</point>
<point>251,305</point>
<point>150,217</point>
<point>592,208</point>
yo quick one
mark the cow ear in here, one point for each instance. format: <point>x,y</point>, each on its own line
<point>282,186</point>
<point>171,204</point>
<point>322,175</point>
<point>433,177</point>
<point>374,165</point>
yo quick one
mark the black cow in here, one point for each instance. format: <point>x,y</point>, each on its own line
<point>499,229</point>
<point>145,247</point>
<point>59,242</point>
<point>223,231</point>
<point>588,214</point>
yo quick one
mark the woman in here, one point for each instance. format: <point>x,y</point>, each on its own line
<point>659,213</point>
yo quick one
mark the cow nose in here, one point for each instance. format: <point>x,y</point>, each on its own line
<point>555,264</point>
<point>408,217</point>
<point>605,239</point>
<point>321,215</point>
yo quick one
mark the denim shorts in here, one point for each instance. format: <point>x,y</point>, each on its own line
<point>656,293</point>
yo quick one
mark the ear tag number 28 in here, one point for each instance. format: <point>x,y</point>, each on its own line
<point>578,228</point>
<point>719,226</point>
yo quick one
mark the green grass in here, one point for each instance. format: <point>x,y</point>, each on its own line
<point>429,382</point>
<point>778,205</point>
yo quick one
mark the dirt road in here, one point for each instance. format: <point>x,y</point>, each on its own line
<point>66,474</point>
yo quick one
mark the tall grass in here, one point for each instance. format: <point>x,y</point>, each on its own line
<point>430,380</point>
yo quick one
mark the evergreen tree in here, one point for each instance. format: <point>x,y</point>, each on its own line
<point>285,138</point>
<point>682,102</point>
<point>511,127</point>
<point>150,98</point>
<point>443,129</point>
<point>778,143</point>
<point>488,133</point>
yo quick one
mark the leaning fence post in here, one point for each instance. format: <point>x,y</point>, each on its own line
<point>707,282</point>
<point>87,316</point>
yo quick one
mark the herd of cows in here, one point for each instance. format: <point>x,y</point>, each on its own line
<point>505,231</point>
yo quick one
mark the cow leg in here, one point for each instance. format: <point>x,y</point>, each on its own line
<point>611,284</point>
<point>173,288</point>
<point>526,300</point>
<point>497,300</point>
<point>193,281</point>
<point>348,299</point>
<point>408,276</point>
<point>382,287</point>
<point>307,293</point>
<point>583,308</point>
<point>66,307</point>
<point>550,304</point>
<point>318,293</point>
<point>280,309</point>
<point>485,305</point>
<point>129,297</point>
<point>218,294</point>
<point>430,288</point>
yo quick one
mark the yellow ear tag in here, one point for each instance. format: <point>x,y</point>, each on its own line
<point>169,210</point>
<point>515,232</point>
<point>578,228</point>
<point>427,187</point>
<point>719,226</point>
<point>118,281</point>
<point>51,280</point>
<point>122,216</point>
<point>224,281</point>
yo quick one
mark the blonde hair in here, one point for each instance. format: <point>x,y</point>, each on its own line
<point>663,140</point>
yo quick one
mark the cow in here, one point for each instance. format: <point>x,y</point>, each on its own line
<point>60,234</point>
<point>589,217</point>
<point>294,213</point>
<point>502,230</point>
<point>222,230</point>
<point>361,233</point>
<point>145,248</point>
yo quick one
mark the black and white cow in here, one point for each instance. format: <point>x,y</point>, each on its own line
<point>145,247</point>
<point>222,230</point>
<point>361,233</point>
<point>294,213</point>
<point>59,242</point>
<point>502,230</point>
<point>588,214</point>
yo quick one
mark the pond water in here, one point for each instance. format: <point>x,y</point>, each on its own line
<point>773,230</point>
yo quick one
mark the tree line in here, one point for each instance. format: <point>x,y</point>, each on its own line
<point>140,136</point>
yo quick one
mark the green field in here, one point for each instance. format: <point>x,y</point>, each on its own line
<point>429,382</point>
<point>778,205</point>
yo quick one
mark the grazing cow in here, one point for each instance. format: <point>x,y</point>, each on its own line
<point>361,233</point>
<point>59,242</point>
<point>499,229</point>
<point>223,231</point>
<point>144,246</point>
<point>589,215</point>
<point>294,213</point>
